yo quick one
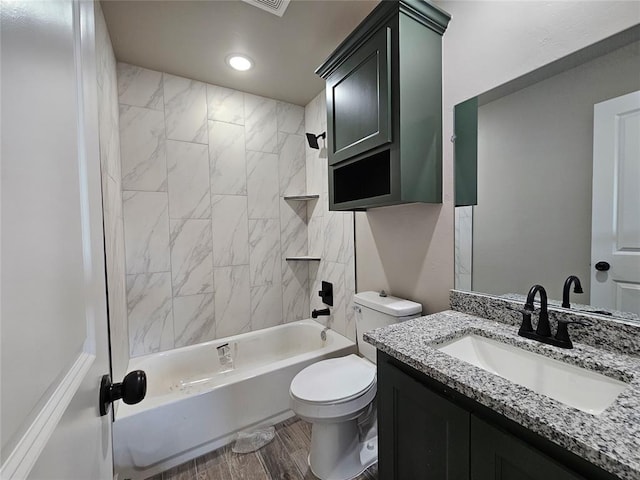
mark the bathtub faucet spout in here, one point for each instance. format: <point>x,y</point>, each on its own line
<point>317,313</point>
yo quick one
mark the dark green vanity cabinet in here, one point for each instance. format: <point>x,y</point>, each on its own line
<point>497,455</point>
<point>384,108</point>
<point>429,431</point>
<point>411,414</point>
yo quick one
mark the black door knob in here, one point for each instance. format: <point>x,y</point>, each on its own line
<point>132,390</point>
<point>602,266</point>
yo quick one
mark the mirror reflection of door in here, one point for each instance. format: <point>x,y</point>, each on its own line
<point>615,240</point>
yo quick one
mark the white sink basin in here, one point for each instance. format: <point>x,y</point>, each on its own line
<point>574,386</point>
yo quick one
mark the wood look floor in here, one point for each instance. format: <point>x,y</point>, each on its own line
<point>285,458</point>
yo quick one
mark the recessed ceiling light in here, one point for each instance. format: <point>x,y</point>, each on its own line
<point>239,62</point>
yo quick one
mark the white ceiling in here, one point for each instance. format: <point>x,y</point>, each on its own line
<point>193,38</point>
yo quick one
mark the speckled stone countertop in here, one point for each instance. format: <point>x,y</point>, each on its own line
<point>604,332</point>
<point>610,440</point>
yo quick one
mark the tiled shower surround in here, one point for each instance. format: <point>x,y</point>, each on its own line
<point>331,234</point>
<point>206,227</point>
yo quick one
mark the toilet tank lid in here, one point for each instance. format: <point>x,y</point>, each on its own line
<point>398,307</point>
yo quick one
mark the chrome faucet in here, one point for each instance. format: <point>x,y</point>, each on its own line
<point>577,288</point>
<point>543,330</point>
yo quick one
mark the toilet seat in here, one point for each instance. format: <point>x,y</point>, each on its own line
<point>333,381</point>
<point>333,390</point>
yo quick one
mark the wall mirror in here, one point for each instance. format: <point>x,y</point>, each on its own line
<point>532,216</point>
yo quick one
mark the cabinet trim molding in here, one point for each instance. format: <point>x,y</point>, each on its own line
<point>427,14</point>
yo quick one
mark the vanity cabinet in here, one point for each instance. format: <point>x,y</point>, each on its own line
<point>384,108</point>
<point>419,431</point>
<point>428,431</point>
<point>497,455</point>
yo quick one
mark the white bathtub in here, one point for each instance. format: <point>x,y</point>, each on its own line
<point>192,407</point>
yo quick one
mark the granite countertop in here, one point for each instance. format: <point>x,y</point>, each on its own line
<point>580,308</point>
<point>610,440</point>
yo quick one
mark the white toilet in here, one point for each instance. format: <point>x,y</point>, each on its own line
<point>337,395</point>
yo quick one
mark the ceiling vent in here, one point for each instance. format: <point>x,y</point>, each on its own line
<point>277,7</point>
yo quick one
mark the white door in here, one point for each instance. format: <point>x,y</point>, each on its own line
<point>616,204</point>
<point>54,322</point>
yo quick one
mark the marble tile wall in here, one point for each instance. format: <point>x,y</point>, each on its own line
<point>206,227</point>
<point>330,234</point>
<point>463,247</point>
<point>112,200</point>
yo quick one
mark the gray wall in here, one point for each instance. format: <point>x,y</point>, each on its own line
<point>532,223</point>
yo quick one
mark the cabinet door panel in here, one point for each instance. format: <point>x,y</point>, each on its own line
<point>421,435</point>
<point>497,455</point>
<point>358,96</point>
<point>355,108</point>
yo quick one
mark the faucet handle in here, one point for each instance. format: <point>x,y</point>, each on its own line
<point>562,334</point>
<point>525,326</point>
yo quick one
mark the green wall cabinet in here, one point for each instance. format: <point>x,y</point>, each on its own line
<point>428,431</point>
<point>359,100</point>
<point>384,108</point>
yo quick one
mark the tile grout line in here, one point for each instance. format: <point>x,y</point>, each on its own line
<point>166,164</point>
<point>213,276</point>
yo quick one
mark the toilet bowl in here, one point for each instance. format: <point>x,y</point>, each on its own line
<point>337,396</point>
<point>332,395</point>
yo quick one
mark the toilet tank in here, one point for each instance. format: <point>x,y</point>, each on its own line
<point>375,311</point>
